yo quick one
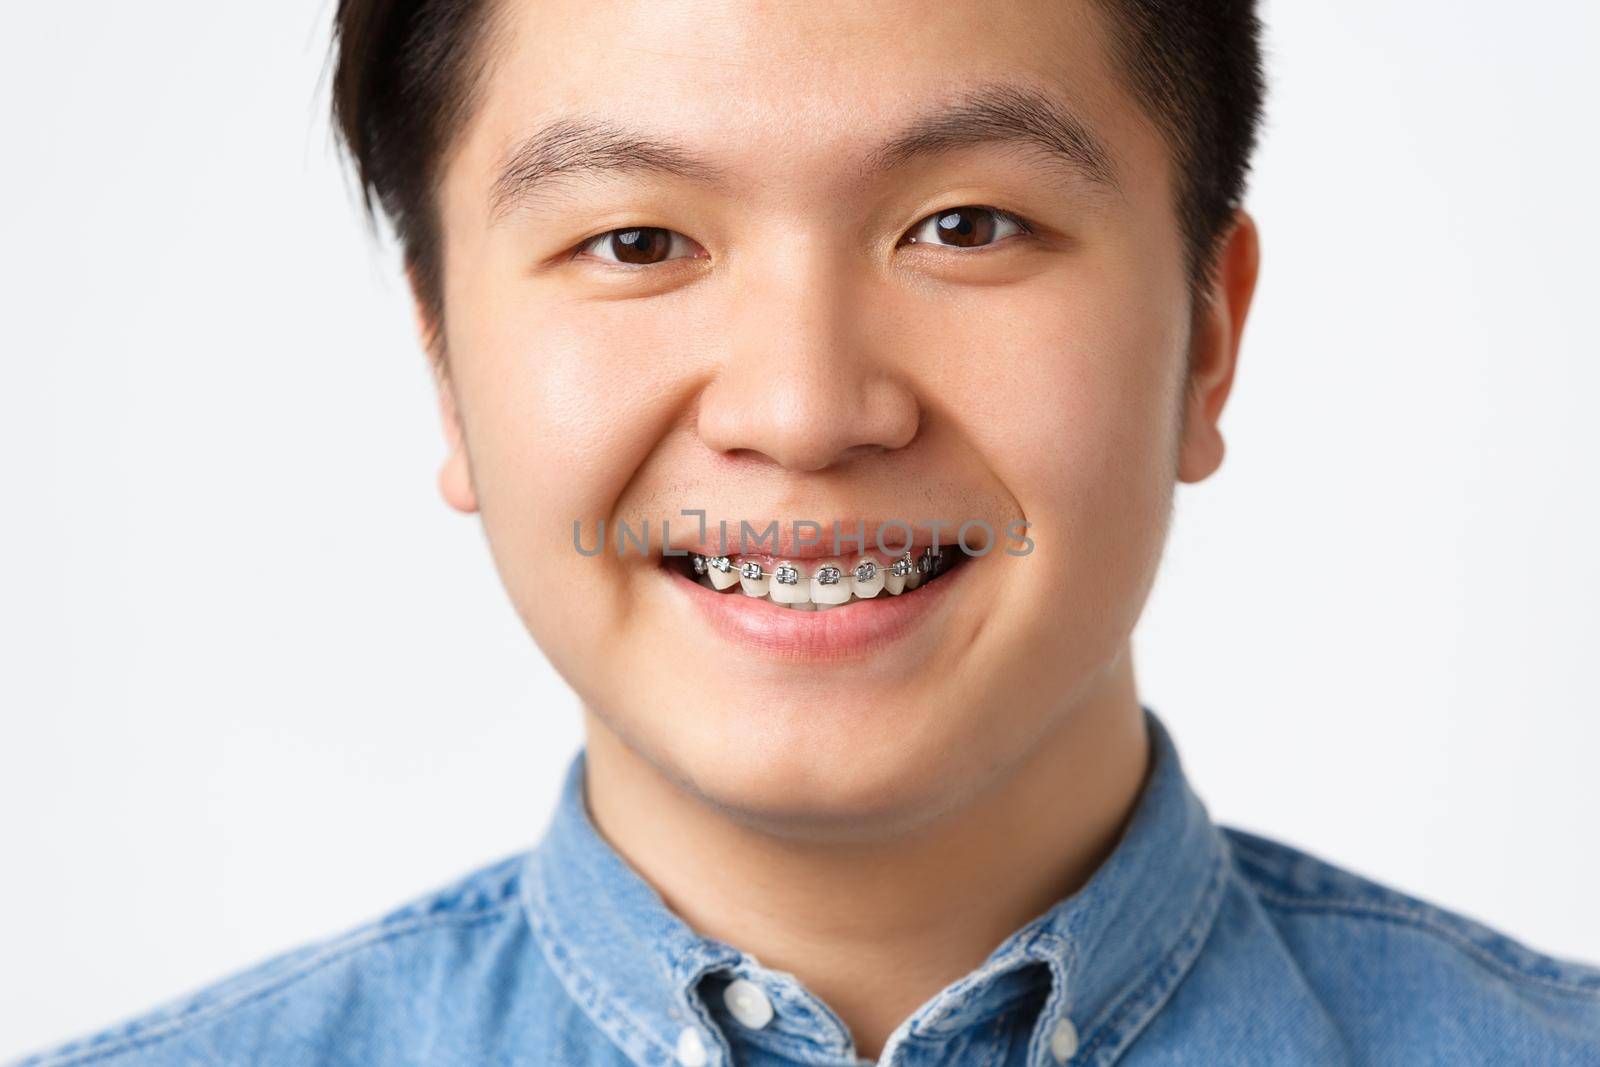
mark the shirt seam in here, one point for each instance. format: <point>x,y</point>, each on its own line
<point>1141,1002</point>
<point>156,1032</point>
<point>568,966</point>
<point>1420,920</point>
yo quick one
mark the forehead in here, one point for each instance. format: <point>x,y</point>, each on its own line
<point>782,94</point>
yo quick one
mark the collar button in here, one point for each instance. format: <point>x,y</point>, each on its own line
<point>1063,1040</point>
<point>748,1003</point>
<point>691,1050</point>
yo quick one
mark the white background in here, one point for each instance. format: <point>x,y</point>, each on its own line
<point>257,684</point>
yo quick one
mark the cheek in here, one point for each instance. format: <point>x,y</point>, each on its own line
<point>1066,391</point>
<point>562,407</point>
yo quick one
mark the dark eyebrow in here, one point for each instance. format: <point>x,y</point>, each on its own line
<point>576,147</point>
<point>1001,113</point>
<point>987,114</point>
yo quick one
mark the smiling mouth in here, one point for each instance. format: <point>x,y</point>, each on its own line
<point>817,584</point>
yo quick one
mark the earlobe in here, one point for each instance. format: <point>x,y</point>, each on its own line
<point>1215,353</point>
<point>455,475</point>
<point>455,484</point>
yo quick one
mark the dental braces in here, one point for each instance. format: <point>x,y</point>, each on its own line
<point>789,574</point>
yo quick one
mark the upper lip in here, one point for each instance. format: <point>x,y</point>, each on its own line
<point>788,543</point>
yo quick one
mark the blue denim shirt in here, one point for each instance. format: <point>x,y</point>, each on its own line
<point>1191,944</point>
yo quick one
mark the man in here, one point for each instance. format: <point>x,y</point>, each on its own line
<point>822,375</point>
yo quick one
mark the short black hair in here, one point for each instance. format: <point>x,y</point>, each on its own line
<point>1196,67</point>
<point>407,74</point>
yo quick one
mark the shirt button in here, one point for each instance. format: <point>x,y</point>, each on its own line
<point>1063,1040</point>
<point>748,1003</point>
<point>691,1050</point>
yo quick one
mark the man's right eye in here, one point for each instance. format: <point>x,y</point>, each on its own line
<point>641,246</point>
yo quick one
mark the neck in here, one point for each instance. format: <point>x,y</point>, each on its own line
<point>877,929</point>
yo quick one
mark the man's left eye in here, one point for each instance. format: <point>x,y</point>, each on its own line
<point>972,226</point>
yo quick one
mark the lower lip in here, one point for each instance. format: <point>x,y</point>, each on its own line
<point>851,631</point>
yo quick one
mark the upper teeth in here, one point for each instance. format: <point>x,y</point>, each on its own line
<point>832,583</point>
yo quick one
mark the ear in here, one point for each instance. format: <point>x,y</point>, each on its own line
<point>455,474</point>
<point>1215,351</point>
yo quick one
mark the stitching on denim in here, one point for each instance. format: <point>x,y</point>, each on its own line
<point>1006,1006</point>
<point>812,1008</point>
<point>155,1033</point>
<point>1149,997</point>
<point>986,1043</point>
<point>570,971</point>
<point>1062,962</point>
<point>702,1013</point>
<point>1267,865</point>
<point>1005,1022</point>
<point>787,1044</point>
<point>1000,1037</point>
<point>1421,920</point>
<point>948,1004</point>
<point>800,1005</point>
<point>783,1043</point>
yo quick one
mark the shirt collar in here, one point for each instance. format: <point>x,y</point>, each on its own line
<point>1104,958</point>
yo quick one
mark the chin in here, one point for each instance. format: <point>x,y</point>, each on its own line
<point>855,767</point>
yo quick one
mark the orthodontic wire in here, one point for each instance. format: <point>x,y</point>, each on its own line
<point>789,574</point>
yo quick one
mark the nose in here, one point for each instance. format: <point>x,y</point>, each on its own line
<point>805,383</point>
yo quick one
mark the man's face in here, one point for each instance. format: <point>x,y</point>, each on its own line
<point>807,340</point>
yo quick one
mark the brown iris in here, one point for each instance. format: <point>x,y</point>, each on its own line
<point>646,245</point>
<point>966,227</point>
